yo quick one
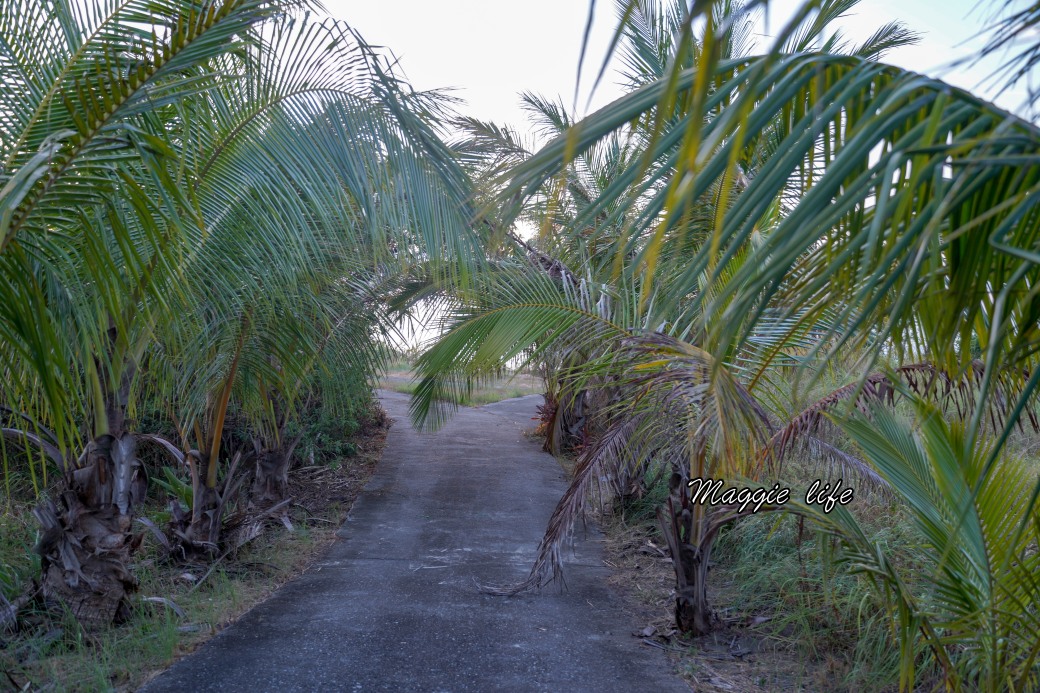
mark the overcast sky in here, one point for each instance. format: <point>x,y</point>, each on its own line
<point>488,51</point>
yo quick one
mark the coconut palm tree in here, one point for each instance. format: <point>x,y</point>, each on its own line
<point>829,113</point>
<point>977,620</point>
<point>619,296</point>
<point>174,175</point>
<point>893,214</point>
<point>84,160</point>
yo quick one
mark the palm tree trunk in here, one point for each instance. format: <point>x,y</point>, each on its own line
<point>682,523</point>
<point>271,482</point>
<point>85,554</point>
<point>271,479</point>
<point>86,539</point>
<point>199,530</point>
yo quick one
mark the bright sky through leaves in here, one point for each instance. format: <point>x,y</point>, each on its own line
<point>490,51</point>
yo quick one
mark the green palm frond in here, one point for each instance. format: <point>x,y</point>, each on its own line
<point>952,174</point>
<point>677,414</point>
<point>79,76</point>
<point>976,613</point>
<point>85,191</point>
<point>255,168</point>
<point>1013,26</point>
<point>517,313</point>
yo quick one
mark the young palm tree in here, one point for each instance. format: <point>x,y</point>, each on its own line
<point>159,158</point>
<point>88,200</point>
<point>978,619</point>
<point>892,213</point>
<point>621,297</point>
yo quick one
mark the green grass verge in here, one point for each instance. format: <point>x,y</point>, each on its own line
<point>55,653</point>
<point>51,652</point>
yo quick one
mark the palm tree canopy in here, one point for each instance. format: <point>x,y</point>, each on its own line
<point>175,164</point>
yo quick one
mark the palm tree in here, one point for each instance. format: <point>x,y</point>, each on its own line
<point>180,176</point>
<point>620,298</point>
<point>845,204</point>
<point>938,150</point>
<point>978,619</point>
<point>82,157</point>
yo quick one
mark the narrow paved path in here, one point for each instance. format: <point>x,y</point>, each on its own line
<point>394,605</point>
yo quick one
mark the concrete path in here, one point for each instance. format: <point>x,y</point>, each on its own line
<point>394,606</point>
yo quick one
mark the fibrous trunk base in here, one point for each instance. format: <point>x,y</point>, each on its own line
<point>693,613</point>
<point>271,482</point>
<point>84,556</point>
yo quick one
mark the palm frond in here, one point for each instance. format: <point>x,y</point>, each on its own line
<point>978,617</point>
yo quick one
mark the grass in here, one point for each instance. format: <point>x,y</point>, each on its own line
<point>18,563</point>
<point>399,379</point>
<point>59,655</point>
<point>769,573</point>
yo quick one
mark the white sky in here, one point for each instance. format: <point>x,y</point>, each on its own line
<point>489,51</point>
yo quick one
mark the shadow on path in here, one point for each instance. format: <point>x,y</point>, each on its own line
<point>394,605</point>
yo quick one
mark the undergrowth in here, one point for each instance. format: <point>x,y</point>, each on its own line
<point>53,651</point>
<point>178,606</point>
<point>806,624</point>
